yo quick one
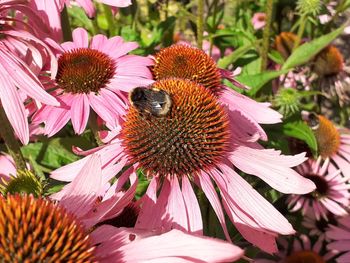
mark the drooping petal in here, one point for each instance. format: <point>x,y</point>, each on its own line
<point>244,199</point>
<point>80,195</point>
<point>80,110</point>
<point>132,246</point>
<point>14,108</point>
<point>195,222</point>
<point>273,168</point>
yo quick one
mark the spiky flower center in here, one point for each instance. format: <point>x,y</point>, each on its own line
<point>329,61</point>
<point>184,61</point>
<point>84,70</point>
<point>36,230</point>
<point>327,136</point>
<point>193,136</point>
<point>322,187</point>
<point>284,43</point>
<point>305,256</point>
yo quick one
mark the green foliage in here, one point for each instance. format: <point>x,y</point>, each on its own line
<point>307,51</point>
<point>53,153</point>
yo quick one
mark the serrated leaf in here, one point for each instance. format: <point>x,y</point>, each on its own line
<point>307,51</point>
<point>300,130</point>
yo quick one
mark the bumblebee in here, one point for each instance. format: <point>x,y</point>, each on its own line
<point>153,101</point>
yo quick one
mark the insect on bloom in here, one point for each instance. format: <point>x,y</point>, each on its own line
<point>208,132</point>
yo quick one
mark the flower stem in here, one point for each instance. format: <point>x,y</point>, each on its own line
<point>200,14</point>
<point>266,35</point>
<point>11,142</point>
<point>110,19</point>
<point>94,128</point>
<point>300,31</point>
<point>66,28</point>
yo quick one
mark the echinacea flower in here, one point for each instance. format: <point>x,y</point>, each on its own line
<point>95,75</point>
<point>301,249</point>
<point>259,20</point>
<point>66,231</point>
<point>340,236</point>
<point>16,76</point>
<point>331,193</point>
<point>332,142</point>
<point>334,75</point>
<point>200,141</point>
<point>318,227</point>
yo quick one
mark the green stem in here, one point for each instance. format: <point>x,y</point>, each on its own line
<point>200,30</point>
<point>300,31</point>
<point>266,35</point>
<point>66,28</point>
<point>110,19</point>
<point>94,128</point>
<point>11,142</point>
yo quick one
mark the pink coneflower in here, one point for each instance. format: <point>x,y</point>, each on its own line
<point>317,227</point>
<point>340,235</point>
<point>200,140</point>
<point>95,75</point>
<point>302,250</point>
<point>15,74</point>
<point>331,193</point>
<point>333,142</point>
<point>92,200</point>
<point>259,20</point>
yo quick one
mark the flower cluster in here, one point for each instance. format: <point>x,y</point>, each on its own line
<point>122,143</point>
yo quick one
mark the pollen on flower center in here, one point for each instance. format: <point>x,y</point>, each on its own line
<point>182,61</point>
<point>322,186</point>
<point>327,136</point>
<point>84,70</point>
<point>36,230</point>
<point>193,136</point>
<point>305,256</point>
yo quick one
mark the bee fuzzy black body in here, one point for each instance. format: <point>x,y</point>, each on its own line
<point>152,101</point>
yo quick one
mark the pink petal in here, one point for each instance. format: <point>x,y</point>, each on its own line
<point>111,207</point>
<point>25,79</point>
<point>148,215</point>
<point>98,42</point>
<point>80,195</point>
<point>257,111</point>
<point>263,240</point>
<point>241,195</point>
<point>88,7</point>
<point>273,168</point>
<point>193,210</point>
<point>13,107</point>
<point>80,35</point>
<point>207,187</point>
<point>131,247</point>
<point>117,3</point>
<point>80,110</point>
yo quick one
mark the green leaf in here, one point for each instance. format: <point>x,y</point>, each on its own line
<point>300,130</point>
<point>54,152</point>
<point>276,57</point>
<point>257,81</point>
<point>231,58</point>
<point>307,51</point>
